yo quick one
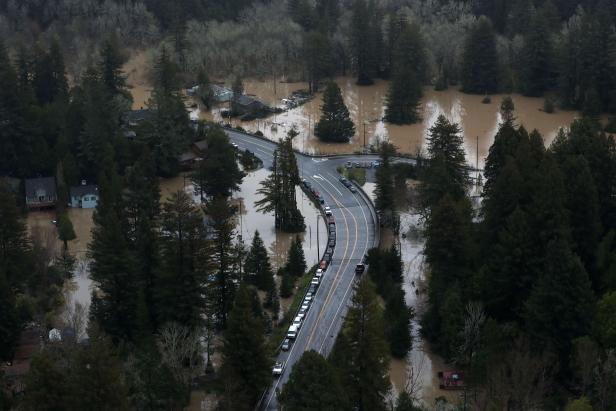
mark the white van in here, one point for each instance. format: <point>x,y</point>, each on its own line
<point>292,333</point>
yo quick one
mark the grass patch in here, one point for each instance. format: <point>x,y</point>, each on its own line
<point>279,332</point>
<point>356,174</point>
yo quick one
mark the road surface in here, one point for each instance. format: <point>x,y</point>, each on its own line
<point>356,230</point>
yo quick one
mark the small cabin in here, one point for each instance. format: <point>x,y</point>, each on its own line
<point>41,192</point>
<point>221,94</point>
<point>84,196</point>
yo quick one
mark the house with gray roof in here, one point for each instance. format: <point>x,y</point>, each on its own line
<point>84,195</point>
<point>41,192</point>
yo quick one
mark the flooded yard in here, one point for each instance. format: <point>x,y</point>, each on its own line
<point>366,105</point>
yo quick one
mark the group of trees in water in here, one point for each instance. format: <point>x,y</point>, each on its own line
<point>519,288</point>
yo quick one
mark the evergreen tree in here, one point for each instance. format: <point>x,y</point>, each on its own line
<point>479,71</point>
<point>112,268</point>
<point>313,385</point>
<point>49,77</point>
<point>557,309</point>
<point>142,209</point>
<point>537,58</point>
<point>446,173</point>
<point>278,190</point>
<point>110,67</point>
<point>168,132</point>
<point>296,262</point>
<point>180,289</point>
<point>335,124</point>
<point>218,173</point>
<point>66,232</point>
<point>604,326</point>
<point>384,191</point>
<point>245,362</point>
<point>318,57</point>
<point>362,47</point>
<point>286,285</point>
<point>397,318</point>
<point>361,356</point>
<point>222,277</point>
<point>403,98</point>
<point>257,267</point>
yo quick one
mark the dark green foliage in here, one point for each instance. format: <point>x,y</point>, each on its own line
<point>605,321</point>
<point>538,69</point>
<point>218,173</point>
<point>409,67</point>
<point>313,385</point>
<point>257,268</point>
<point>361,352</point>
<point>66,232</point>
<point>335,124</point>
<point>74,377</point>
<point>113,267</point>
<point>405,403</point>
<point>446,173</point>
<point>287,285</point>
<point>385,269</point>
<point>180,288</point>
<point>111,63</point>
<point>479,60</point>
<point>363,44</point>
<point>384,191</point>
<point>49,76</point>
<point>296,262</point>
<point>606,262</point>
<point>278,190</point>
<point>319,59</point>
<point>246,367</point>
<point>397,318</point>
<point>223,271</point>
<point>167,133</point>
<point>558,307</point>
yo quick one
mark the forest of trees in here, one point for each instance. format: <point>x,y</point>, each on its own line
<point>522,287</point>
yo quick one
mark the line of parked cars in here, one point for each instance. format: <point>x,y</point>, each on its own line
<point>313,191</point>
<point>363,164</point>
<point>298,321</point>
<point>345,182</point>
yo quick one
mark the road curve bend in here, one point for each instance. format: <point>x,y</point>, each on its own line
<point>356,233</point>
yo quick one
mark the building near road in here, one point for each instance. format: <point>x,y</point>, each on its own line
<point>84,195</point>
<point>248,105</point>
<point>41,192</point>
<point>221,94</point>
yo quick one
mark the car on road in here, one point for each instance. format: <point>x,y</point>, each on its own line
<point>305,306</point>
<point>376,163</point>
<point>328,211</point>
<point>323,265</point>
<point>313,288</point>
<point>359,269</point>
<point>321,199</point>
<point>292,332</point>
<point>353,189</point>
<point>297,322</point>
<point>331,221</point>
<point>331,242</point>
<point>278,368</point>
<point>286,344</point>
<point>235,146</point>
<point>319,273</point>
<point>327,257</point>
<point>343,180</point>
<point>314,281</point>
<point>308,299</point>
<point>348,164</point>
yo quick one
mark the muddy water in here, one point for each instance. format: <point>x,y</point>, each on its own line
<point>277,242</point>
<point>418,372</point>
<point>366,106</point>
<point>135,70</point>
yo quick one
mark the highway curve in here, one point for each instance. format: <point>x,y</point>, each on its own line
<point>356,233</point>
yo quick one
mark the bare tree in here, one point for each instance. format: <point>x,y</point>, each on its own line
<point>181,350</point>
<point>76,317</point>
<point>471,334</point>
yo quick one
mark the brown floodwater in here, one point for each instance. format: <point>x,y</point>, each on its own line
<point>276,241</point>
<point>136,76</point>
<point>419,369</point>
<point>478,121</point>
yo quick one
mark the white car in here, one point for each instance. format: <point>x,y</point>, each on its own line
<point>305,306</point>
<point>278,368</point>
<point>315,281</point>
<point>292,332</point>
<point>328,211</point>
<point>297,322</point>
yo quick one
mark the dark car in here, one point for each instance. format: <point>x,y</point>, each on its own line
<point>359,269</point>
<point>327,257</point>
<point>332,242</point>
<point>286,344</point>
<point>312,289</point>
<point>343,180</point>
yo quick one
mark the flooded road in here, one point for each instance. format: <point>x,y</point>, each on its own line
<point>478,121</point>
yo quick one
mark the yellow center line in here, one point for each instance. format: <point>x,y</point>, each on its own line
<point>342,267</point>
